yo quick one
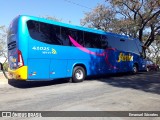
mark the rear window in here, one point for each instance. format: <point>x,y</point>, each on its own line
<point>11,37</point>
<point>13,28</point>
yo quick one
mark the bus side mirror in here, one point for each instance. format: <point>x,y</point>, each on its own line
<point>143,55</point>
<point>1,66</point>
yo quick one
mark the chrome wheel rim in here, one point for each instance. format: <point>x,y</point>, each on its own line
<point>135,69</point>
<point>79,74</point>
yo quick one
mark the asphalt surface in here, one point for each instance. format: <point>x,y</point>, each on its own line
<point>139,92</point>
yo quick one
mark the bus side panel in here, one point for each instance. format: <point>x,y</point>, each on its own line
<point>58,68</point>
<point>123,61</point>
<point>91,66</point>
<point>108,62</point>
<point>142,63</point>
<point>38,69</point>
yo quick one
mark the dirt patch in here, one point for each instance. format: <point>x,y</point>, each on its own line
<point>3,80</point>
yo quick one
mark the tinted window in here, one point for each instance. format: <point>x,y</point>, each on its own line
<point>111,42</point>
<point>44,32</point>
<point>77,35</point>
<point>65,36</point>
<point>131,46</point>
<point>96,41</point>
<point>92,40</point>
<point>104,42</point>
<point>122,44</point>
<point>115,42</point>
<point>55,35</point>
<point>58,35</point>
<point>139,45</point>
<point>87,39</point>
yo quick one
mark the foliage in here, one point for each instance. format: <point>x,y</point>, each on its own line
<point>5,66</point>
<point>130,17</point>
<point>3,42</point>
<point>101,17</point>
<point>154,51</point>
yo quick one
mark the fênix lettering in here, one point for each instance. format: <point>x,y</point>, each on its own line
<point>123,57</point>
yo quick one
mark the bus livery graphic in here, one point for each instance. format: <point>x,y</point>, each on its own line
<point>124,58</point>
<point>83,48</point>
<point>54,51</point>
<point>93,53</point>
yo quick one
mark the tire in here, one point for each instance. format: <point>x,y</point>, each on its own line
<point>78,74</point>
<point>147,69</point>
<point>135,69</point>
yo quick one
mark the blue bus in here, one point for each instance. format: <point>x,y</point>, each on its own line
<point>41,49</point>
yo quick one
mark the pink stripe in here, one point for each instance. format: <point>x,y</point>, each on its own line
<point>93,53</point>
<point>85,49</point>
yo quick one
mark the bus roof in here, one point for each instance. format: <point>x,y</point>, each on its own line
<point>76,27</point>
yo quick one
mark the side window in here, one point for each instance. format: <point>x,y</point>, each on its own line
<point>118,43</point>
<point>109,40</point>
<point>65,36</point>
<point>44,32</point>
<point>93,40</point>
<point>96,41</point>
<point>55,35</point>
<point>34,29</point>
<point>77,35</point>
<point>122,44</point>
<point>87,39</point>
<point>132,46</point>
<point>80,37</point>
<point>90,39</point>
<point>104,42</point>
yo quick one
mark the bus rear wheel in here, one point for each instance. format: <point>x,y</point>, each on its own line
<point>78,74</point>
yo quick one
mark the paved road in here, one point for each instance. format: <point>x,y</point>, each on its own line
<point>139,92</point>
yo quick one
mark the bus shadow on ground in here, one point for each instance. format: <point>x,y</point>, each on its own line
<point>148,82</point>
<point>32,84</point>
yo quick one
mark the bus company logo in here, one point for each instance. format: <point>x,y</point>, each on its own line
<point>54,51</point>
<point>123,57</point>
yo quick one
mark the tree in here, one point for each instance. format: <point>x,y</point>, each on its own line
<point>129,17</point>
<point>3,42</point>
<point>101,18</point>
<point>154,51</point>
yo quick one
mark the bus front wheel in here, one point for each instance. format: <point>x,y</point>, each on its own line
<point>78,74</point>
<point>135,69</point>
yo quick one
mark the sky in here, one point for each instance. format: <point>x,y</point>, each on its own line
<point>67,10</point>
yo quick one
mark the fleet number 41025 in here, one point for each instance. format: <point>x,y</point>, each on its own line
<point>40,48</point>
